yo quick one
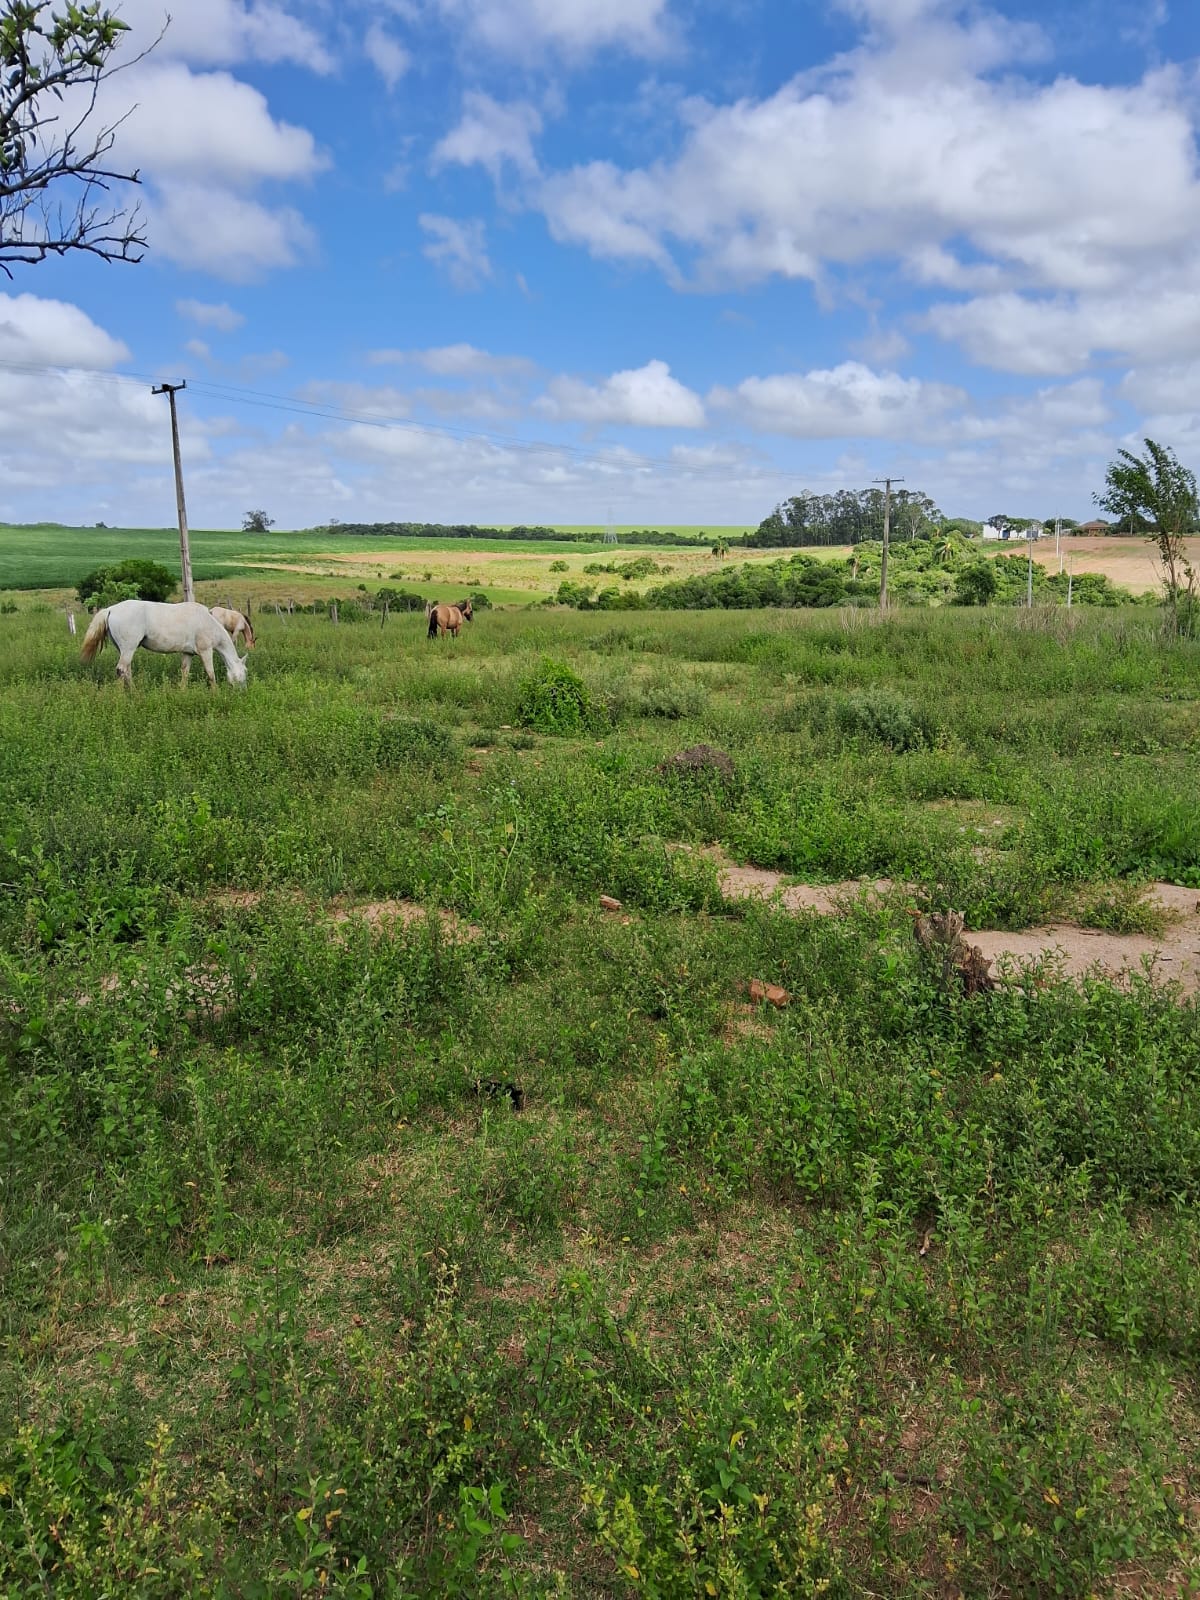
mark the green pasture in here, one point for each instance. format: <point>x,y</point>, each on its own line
<point>889,1292</point>
<point>51,557</point>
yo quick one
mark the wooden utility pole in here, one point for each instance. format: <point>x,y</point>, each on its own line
<point>887,528</point>
<point>185,554</point>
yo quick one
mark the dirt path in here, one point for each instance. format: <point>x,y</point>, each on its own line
<point>1070,949</point>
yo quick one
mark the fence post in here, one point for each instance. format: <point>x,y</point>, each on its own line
<point>71,623</point>
<point>333,611</point>
<point>384,617</point>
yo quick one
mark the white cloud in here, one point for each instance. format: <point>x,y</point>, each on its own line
<point>222,32</point>
<point>913,149</point>
<point>221,317</point>
<point>454,361</point>
<point>386,54</point>
<point>489,134</point>
<point>459,248</point>
<point>572,28</point>
<point>224,233</point>
<point>847,401</point>
<point>1151,320</point>
<point>645,397</point>
<point>38,332</point>
<point>208,127</point>
<point>198,349</point>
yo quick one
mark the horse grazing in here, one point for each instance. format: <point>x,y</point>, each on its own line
<point>235,625</point>
<point>187,629</point>
<point>445,619</point>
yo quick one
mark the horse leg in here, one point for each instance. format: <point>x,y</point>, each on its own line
<point>187,667</point>
<point>206,662</point>
<point>124,668</point>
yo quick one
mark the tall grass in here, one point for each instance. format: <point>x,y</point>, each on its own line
<point>887,1292</point>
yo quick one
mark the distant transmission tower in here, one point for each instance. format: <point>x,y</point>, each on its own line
<point>609,536</point>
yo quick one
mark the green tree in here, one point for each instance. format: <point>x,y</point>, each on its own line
<point>976,584</point>
<point>53,60</point>
<point>257,522</point>
<point>1158,489</point>
<point>141,580</point>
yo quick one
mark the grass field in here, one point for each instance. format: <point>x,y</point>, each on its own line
<point>278,566</point>
<point>888,1292</point>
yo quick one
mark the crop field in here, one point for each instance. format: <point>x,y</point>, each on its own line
<point>383,1215</point>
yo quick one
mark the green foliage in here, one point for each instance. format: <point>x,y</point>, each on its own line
<point>135,579</point>
<point>257,522</point>
<point>885,717</point>
<point>976,584</point>
<point>887,1291</point>
<point>554,699</point>
<point>847,517</point>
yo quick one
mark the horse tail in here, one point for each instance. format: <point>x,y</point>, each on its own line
<point>432,614</point>
<point>93,639</point>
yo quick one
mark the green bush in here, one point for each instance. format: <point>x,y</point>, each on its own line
<point>147,580</point>
<point>976,584</point>
<point>554,699</point>
<point>883,717</point>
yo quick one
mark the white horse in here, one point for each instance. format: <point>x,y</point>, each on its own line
<point>187,629</point>
<point>235,624</point>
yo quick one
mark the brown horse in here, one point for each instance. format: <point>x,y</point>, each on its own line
<point>444,619</point>
<point>234,623</point>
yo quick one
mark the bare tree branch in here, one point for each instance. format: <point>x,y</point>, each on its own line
<point>47,55</point>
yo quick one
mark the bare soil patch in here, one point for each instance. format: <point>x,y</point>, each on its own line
<point>381,916</point>
<point>1173,955</point>
<point>1132,563</point>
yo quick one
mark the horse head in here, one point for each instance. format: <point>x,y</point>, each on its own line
<point>236,673</point>
<point>465,608</point>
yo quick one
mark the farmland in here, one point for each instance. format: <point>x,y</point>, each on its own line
<point>382,1216</point>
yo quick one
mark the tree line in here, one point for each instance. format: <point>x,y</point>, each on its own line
<point>849,516</point>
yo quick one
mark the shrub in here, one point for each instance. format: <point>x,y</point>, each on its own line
<point>554,699</point>
<point>146,580</point>
<point>976,584</point>
<point>885,718</point>
<point>400,599</point>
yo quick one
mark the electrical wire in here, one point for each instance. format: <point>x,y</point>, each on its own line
<point>618,458</point>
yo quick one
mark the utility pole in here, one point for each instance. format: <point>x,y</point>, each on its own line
<point>185,554</point>
<point>1029,546</point>
<point>887,528</point>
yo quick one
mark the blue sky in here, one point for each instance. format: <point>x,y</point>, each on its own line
<point>646,261</point>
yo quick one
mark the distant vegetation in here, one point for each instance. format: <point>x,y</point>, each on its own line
<point>929,571</point>
<point>470,530</point>
<point>848,517</point>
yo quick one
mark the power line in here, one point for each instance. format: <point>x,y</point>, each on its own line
<point>615,457</point>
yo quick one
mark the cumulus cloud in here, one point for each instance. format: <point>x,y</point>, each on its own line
<point>454,361</point>
<point>570,28</point>
<point>850,400</point>
<point>386,54</point>
<point>490,134</point>
<point>221,317</point>
<point>38,332</point>
<point>223,32</point>
<point>644,397</point>
<point>1006,180</point>
<point>209,126</point>
<point>225,233</point>
<point>1054,335</point>
<point>459,248</point>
